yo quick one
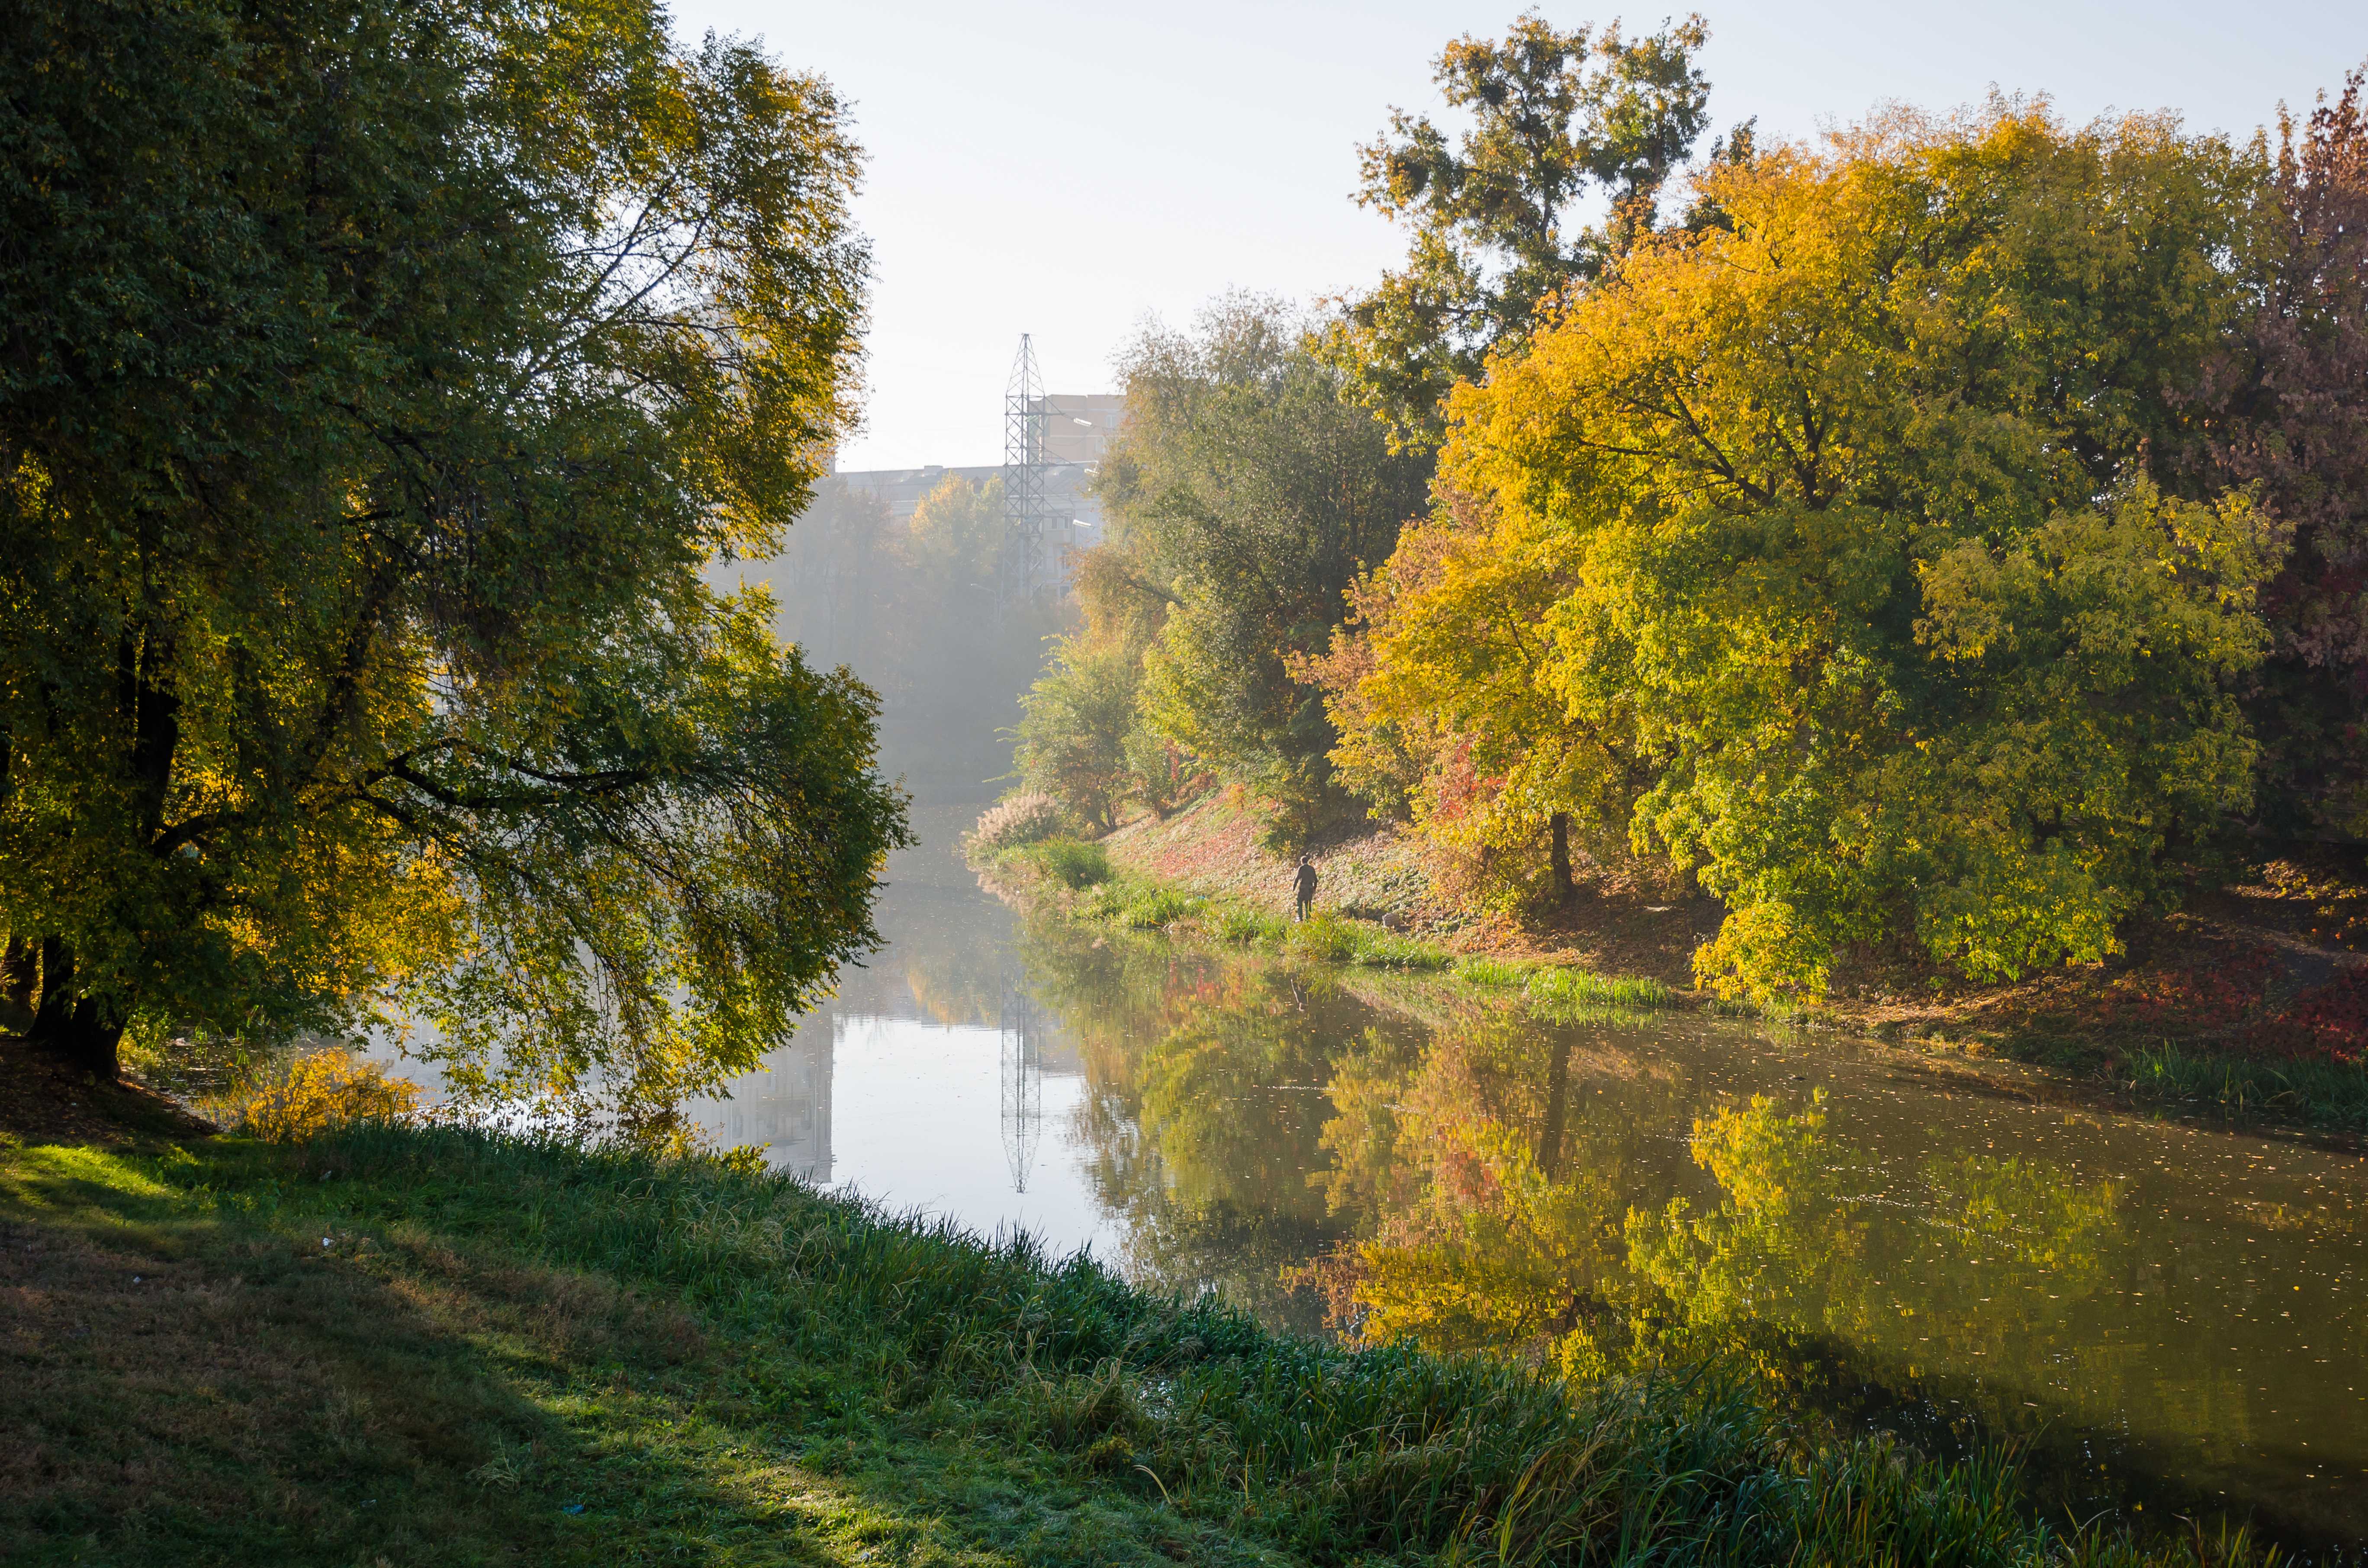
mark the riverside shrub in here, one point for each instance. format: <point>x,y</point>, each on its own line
<point>317,1092</point>
<point>1070,863</point>
<point>1030,817</point>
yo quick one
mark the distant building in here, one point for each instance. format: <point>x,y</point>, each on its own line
<point>1078,429</point>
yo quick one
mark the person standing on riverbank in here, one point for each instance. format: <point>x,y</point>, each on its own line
<point>1306,883</point>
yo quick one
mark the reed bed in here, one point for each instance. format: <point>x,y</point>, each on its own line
<point>2325,1094</point>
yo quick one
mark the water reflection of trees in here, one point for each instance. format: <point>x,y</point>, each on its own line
<point>1806,1244</point>
<point>1589,1196</point>
<point>1203,1108</point>
<point>1505,1184</point>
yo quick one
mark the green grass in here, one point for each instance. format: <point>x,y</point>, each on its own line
<point>1553,988</point>
<point>1239,922</point>
<point>1334,938</point>
<point>529,1352</point>
<point>2325,1094</point>
<point>1558,994</point>
<point>1495,973</point>
<point>1093,889</point>
<point>1097,890</point>
<point>1070,863</point>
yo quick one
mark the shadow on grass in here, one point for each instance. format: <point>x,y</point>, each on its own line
<point>193,1377</point>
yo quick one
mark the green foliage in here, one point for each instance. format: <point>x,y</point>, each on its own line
<point>1559,994</point>
<point>1494,972</point>
<point>2325,1094</point>
<point>1246,496</point>
<point>1926,655</point>
<point>1234,923</point>
<point>376,382</point>
<point>1321,938</point>
<point>1555,118</point>
<point>1334,938</point>
<point>1069,862</point>
<point>1553,990</point>
<point>1030,817</point>
<point>1377,948</point>
<point>1145,908</point>
<point>1074,726</point>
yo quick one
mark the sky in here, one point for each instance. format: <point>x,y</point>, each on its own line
<point>1072,170</point>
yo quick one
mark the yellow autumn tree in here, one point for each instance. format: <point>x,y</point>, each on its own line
<point>1819,549</point>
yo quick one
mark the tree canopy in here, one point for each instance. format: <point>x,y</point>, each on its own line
<point>375,381</point>
<point>1834,551</point>
<point>1246,496</point>
<point>1498,219</point>
<point>2284,410</point>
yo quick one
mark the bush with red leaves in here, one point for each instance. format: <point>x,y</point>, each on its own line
<point>2219,990</point>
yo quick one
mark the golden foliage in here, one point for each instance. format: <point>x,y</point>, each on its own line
<point>1823,554</point>
<point>314,1094</point>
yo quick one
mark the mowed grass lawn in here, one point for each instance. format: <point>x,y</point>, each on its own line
<point>407,1346</point>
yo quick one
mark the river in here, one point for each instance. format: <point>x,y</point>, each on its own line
<point>2167,1317</point>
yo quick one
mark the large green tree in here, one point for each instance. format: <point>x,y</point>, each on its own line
<point>1562,126</point>
<point>375,380</point>
<point>1246,496</point>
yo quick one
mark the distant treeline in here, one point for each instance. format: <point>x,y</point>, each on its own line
<point>1947,537</point>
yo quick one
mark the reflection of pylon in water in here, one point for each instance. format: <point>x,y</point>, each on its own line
<point>1023,1089</point>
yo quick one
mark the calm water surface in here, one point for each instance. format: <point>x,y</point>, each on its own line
<point>2170,1316</point>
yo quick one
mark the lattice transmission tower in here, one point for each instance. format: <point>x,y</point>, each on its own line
<point>1025,511</point>
<point>1022,1075</point>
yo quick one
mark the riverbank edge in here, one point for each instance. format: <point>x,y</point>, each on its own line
<point>588,1354</point>
<point>2169,1075</point>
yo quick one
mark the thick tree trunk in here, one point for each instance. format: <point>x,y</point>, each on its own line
<point>1565,889</point>
<point>84,1031</point>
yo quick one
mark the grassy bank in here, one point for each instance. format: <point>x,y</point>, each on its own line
<point>1079,881</point>
<point>2204,1021</point>
<point>416,1346</point>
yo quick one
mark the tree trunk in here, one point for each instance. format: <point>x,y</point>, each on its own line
<point>20,972</point>
<point>1565,889</point>
<point>84,1031</point>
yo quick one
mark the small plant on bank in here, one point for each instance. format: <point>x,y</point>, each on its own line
<point>1494,972</point>
<point>2320,1092</point>
<point>1237,922</point>
<point>1073,865</point>
<point>1153,907</point>
<point>1378,948</point>
<point>1580,988</point>
<point>1321,938</point>
<point>1030,817</point>
<point>313,1094</point>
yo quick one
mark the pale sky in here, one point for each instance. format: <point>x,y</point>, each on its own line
<point>1068,170</point>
